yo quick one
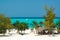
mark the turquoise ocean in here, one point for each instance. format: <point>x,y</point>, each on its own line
<point>29,20</point>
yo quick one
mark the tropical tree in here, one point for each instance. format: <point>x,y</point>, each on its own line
<point>8,24</point>
<point>17,26</point>
<point>35,26</point>
<point>49,18</point>
<point>48,23</point>
<point>58,25</point>
<point>23,26</point>
<point>4,23</point>
<point>20,26</point>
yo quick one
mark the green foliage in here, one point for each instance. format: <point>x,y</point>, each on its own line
<point>58,25</point>
<point>23,26</point>
<point>35,24</point>
<point>17,25</point>
<point>20,25</point>
<point>4,23</point>
<point>2,29</point>
<point>49,18</point>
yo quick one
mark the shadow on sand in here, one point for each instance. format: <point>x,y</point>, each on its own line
<point>23,33</point>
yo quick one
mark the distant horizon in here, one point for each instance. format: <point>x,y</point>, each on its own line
<point>30,17</point>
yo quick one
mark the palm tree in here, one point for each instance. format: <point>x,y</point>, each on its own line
<point>20,26</point>
<point>23,26</point>
<point>35,25</point>
<point>17,26</point>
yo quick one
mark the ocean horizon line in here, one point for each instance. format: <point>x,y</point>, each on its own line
<point>31,17</point>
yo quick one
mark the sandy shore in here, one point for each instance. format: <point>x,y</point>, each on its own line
<point>30,36</point>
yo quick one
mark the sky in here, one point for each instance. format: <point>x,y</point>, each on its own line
<point>28,8</point>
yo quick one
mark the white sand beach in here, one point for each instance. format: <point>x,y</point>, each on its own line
<point>30,36</point>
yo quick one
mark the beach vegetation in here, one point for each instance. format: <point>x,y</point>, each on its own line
<point>49,18</point>
<point>20,26</point>
<point>5,23</point>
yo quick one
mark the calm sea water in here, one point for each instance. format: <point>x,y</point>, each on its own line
<point>29,20</point>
